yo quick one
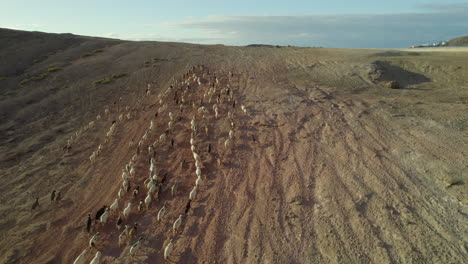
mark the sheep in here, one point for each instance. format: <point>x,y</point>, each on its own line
<point>119,222</point>
<point>121,192</point>
<point>187,207</point>
<point>97,258</point>
<point>88,223</point>
<point>168,249</point>
<point>151,125</point>
<point>195,156</point>
<point>104,216</point>
<point>177,224</point>
<point>152,189</point>
<point>92,158</point>
<point>169,124</point>
<point>148,200</point>
<point>123,234</point>
<point>161,212</point>
<point>98,117</point>
<point>134,157</point>
<point>171,116</point>
<point>115,205</point>
<point>121,117</point>
<point>231,134</point>
<point>192,142</point>
<point>99,213</point>
<point>135,246</point>
<point>133,231</point>
<point>140,206</point>
<point>125,184</point>
<point>129,116</point>
<point>93,240</point>
<point>198,172</point>
<point>244,109</point>
<point>192,148</point>
<point>124,174</point>
<point>136,191</point>
<point>198,164</point>
<point>81,258</point>
<point>174,189</point>
<point>227,143</point>
<point>35,204</point>
<point>198,181</point>
<point>162,137</point>
<point>193,193</point>
<point>126,211</point>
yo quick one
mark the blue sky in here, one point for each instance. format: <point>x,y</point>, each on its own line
<point>330,23</point>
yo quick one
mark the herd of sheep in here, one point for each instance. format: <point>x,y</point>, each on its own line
<point>177,100</point>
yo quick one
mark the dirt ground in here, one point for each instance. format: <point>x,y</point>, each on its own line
<point>327,165</point>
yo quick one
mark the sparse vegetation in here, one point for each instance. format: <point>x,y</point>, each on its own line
<point>54,69</point>
<point>86,54</point>
<point>35,78</point>
<point>98,50</point>
<point>3,78</point>
<point>118,75</point>
<point>109,79</point>
<point>102,81</point>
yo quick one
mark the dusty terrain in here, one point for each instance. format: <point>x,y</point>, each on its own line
<point>328,165</point>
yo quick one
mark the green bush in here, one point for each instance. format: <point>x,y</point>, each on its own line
<point>102,81</point>
<point>54,69</point>
<point>3,78</point>
<point>98,50</point>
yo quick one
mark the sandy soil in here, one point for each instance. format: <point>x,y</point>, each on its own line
<point>327,166</point>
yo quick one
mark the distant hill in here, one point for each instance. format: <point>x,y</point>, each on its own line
<point>461,41</point>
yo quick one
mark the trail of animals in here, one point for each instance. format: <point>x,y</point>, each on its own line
<point>192,107</point>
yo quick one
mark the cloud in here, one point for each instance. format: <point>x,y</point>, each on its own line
<point>347,31</point>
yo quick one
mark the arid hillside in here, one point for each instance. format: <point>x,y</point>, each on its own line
<point>298,155</point>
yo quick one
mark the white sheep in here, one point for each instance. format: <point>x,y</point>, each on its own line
<point>161,212</point>
<point>198,172</point>
<point>177,224</point>
<point>104,216</point>
<point>231,134</point>
<point>192,148</point>
<point>134,157</point>
<point>193,193</point>
<point>97,258</point>
<point>92,158</point>
<point>244,109</point>
<point>147,200</point>
<point>81,258</point>
<point>151,125</point>
<point>174,189</point>
<point>121,117</point>
<point>115,205</point>
<point>123,235</point>
<point>126,211</point>
<point>168,249</point>
<point>98,117</point>
<point>169,124</point>
<point>192,141</point>
<point>93,240</point>
<point>227,143</point>
<point>198,164</point>
<point>152,189</point>
<point>198,181</point>
<point>124,174</point>
<point>129,116</point>
<point>135,246</point>
<point>132,171</point>
<point>125,184</point>
<point>121,192</point>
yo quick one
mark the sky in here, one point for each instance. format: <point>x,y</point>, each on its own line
<point>312,23</point>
